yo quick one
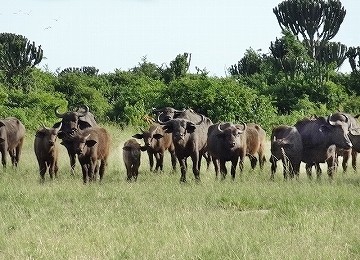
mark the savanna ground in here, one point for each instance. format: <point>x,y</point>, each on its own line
<point>159,218</point>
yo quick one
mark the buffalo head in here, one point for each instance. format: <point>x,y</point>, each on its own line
<point>231,134</point>
<point>180,128</point>
<point>337,129</point>
<point>167,113</point>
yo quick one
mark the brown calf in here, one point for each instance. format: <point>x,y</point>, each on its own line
<point>91,145</point>
<point>46,151</point>
<point>131,156</point>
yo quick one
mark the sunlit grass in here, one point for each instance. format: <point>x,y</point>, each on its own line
<point>159,218</point>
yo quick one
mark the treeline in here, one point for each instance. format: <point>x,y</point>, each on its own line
<point>125,97</point>
<point>296,77</point>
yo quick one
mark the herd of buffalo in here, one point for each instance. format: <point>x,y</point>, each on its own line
<point>186,133</point>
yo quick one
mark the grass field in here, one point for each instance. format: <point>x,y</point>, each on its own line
<point>159,218</point>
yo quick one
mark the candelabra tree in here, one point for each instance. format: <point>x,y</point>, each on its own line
<point>17,55</point>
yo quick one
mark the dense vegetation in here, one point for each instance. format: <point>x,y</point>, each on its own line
<point>297,77</point>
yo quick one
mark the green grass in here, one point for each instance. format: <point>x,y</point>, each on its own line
<point>159,218</point>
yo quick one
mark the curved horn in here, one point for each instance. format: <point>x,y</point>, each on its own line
<point>159,121</point>
<point>244,125</point>
<point>58,128</point>
<point>202,119</point>
<point>347,118</point>
<point>329,121</point>
<point>57,112</point>
<point>219,128</point>
<point>43,125</point>
<point>179,111</point>
<point>85,112</point>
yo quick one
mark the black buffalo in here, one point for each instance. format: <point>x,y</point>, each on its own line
<point>12,134</point>
<point>354,135</point>
<point>189,134</point>
<point>320,137</point>
<point>286,145</point>
<point>227,142</point>
<point>72,121</point>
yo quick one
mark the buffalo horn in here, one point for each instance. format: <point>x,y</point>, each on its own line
<point>219,128</point>
<point>57,112</point>
<point>85,112</point>
<point>202,119</point>
<point>58,128</point>
<point>329,121</point>
<point>161,122</point>
<point>242,131</point>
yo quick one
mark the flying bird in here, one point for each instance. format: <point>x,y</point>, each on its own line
<point>49,27</point>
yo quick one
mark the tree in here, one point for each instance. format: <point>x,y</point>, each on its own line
<point>17,55</point>
<point>289,54</point>
<point>317,21</point>
<point>178,67</point>
<point>248,65</point>
<point>148,69</point>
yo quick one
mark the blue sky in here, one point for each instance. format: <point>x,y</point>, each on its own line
<point>116,34</point>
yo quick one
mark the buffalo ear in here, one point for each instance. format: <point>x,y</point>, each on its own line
<point>83,124</point>
<point>158,136</point>
<point>56,125</point>
<point>66,143</point>
<point>190,127</point>
<point>90,143</point>
<point>138,136</point>
<point>168,128</point>
<point>41,133</point>
<point>61,135</point>
<point>127,148</point>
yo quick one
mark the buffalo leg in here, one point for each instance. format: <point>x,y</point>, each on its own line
<point>128,171</point>
<point>223,169</point>
<point>102,169</point>
<point>346,156</point>
<point>216,166</point>
<point>72,163</point>
<point>42,168</point>
<point>273,167</point>
<point>151,160</point>
<point>196,158</point>
<point>173,160</point>
<point>308,170</point>
<point>353,159</point>
<point>3,159</point>
<point>233,167</point>
<point>159,161</point>
<point>92,169</point>
<point>253,161</point>
<point>84,169</point>
<point>183,168</point>
<point>318,171</point>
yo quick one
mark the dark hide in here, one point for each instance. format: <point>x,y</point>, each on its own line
<point>12,134</point>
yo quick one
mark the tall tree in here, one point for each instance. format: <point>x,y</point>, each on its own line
<point>317,21</point>
<point>178,67</point>
<point>17,54</point>
<point>248,65</point>
<point>290,55</point>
